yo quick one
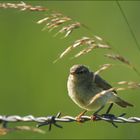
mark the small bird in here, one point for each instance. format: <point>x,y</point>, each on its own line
<point>89,91</point>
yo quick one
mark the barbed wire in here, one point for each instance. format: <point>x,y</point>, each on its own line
<point>53,120</point>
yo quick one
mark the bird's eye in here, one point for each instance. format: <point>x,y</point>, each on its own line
<point>81,72</point>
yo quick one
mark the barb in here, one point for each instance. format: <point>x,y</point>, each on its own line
<point>53,120</point>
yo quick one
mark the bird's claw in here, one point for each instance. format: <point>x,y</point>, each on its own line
<point>94,117</point>
<point>110,116</point>
<point>79,117</point>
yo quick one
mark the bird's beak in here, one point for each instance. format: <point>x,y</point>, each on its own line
<point>72,72</point>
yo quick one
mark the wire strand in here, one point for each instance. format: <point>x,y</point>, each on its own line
<point>53,120</point>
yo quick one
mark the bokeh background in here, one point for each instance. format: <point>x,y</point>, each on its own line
<point>31,84</point>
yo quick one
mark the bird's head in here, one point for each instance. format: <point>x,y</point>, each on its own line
<point>80,71</point>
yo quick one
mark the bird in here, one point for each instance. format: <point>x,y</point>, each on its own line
<point>91,92</point>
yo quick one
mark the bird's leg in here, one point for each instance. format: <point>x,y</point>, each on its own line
<point>108,110</point>
<point>98,110</point>
<point>78,118</point>
<point>93,117</point>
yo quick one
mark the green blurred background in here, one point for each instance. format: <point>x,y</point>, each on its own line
<point>31,84</point>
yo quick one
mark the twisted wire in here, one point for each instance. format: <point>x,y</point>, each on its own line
<point>53,120</point>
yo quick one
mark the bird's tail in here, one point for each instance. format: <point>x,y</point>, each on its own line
<point>122,103</point>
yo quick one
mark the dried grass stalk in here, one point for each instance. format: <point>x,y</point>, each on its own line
<point>130,84</point>
<point>43,20</point>
<point>56,22</point>
<point>68,29</point>
<point>123,60</point>
<point>28,128</point>
<point>85,51</point>
<point>118,57</point>
<point>120,89</point>
<point>76,44</point>
<point>107,91</point>
<point>100,94</point>
<point>4,131</point>
<point>49,17</point>
<point>66,51</point>
<point>53,21</point>
<point>22,6</point>
<point>89,42</point>
<point>98,38</point>
<point>102,68</point>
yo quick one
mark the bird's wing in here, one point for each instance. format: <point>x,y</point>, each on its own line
<point>102,83</point>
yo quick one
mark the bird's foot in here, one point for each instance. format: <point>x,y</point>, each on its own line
<point>94,117</point>
<point>79,117</point>
<point>112,116</point>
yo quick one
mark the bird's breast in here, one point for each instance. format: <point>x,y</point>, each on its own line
<point>81,93</point>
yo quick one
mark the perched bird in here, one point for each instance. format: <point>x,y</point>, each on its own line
<point>89,91</point>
